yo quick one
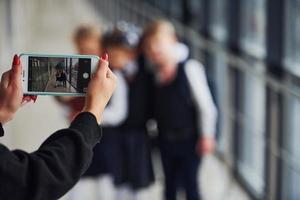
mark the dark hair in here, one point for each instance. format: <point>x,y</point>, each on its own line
<point>123,35</point>
<point>60,65</point>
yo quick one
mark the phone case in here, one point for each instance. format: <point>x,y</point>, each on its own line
<point>58,56</point>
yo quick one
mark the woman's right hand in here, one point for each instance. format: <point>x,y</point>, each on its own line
<point>100,89</point>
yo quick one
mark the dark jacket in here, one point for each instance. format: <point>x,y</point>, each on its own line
<point>54,168</point>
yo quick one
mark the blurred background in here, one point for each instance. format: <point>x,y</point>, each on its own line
<point>251,53</point>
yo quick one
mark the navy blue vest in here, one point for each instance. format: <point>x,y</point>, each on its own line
<point>174,107</point>
<point>140,98</point>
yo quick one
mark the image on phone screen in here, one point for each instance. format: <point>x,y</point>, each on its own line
<point>57,74</point>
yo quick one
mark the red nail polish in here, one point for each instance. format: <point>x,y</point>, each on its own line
<point>16,60</point>
<point>34,98</point>
<point>104,57</point>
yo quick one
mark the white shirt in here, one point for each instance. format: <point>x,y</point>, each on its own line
<point>116,111</point>
<point>206,108</point>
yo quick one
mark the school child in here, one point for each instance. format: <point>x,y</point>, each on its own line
<point>101,171</point>
<point>99,174</point>
<point>57,77</point>
<point>134,171</point>
<point>184,109</point>
<point>87,41</point>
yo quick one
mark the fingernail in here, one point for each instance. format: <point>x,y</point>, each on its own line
<point>104,57</point>
<point>24,102</point>
<point>16,60</point>
<point>34,98</point>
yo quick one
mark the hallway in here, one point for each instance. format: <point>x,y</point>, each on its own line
<point>217,183</point>
<point>58,86</point>
<point>259,115</point>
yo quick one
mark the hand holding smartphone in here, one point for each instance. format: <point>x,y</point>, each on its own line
<point>57,74</point>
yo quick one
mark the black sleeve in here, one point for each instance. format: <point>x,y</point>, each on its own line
<point>1,130</point>
<point>54,168</point>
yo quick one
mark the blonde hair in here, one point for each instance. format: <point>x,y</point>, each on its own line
<point>157,27</point>
<point>85,32</point>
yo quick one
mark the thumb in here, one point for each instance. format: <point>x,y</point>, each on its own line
<point>102,68</point>
<point>16,72</point>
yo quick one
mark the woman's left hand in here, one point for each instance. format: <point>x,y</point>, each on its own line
<point>11,92</point>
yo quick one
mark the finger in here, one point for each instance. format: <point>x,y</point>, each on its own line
<point>33,98</point>
<point>26,98</point>
<point>25,102</point>
<point>16,71</point>
<point>110,74</point>
<point>5,79</point>
<point>103,65</point>
<point>29,97</point>
<point>105,57</point>
<point>102,68</point>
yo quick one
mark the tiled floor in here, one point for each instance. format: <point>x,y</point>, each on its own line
<point>216,183</point>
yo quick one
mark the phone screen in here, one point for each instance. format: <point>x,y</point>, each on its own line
<point>58,74</point>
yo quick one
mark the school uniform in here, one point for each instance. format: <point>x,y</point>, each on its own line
<point>105,159</point>
<point>183,109</point>
<point>135,165</point>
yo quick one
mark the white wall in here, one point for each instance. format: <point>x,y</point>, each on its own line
<point>42,26</point>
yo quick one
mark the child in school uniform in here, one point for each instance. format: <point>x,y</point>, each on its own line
<point>104,161</point>
<point>134,171</point>
<point>184,109</point>
<point>87,41</point>
<point>100,172</point>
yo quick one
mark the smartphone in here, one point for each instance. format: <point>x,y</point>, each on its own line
<point>57,75</point>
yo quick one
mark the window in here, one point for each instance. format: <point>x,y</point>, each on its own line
<point>164,6</point>
<point>194,13</point>
<point>251,135</point>
<point>292,39</point>
<point>291,149</point>
<point>253,26</point>
<point>218,19</point>
<point>221,80</point>
<point>176,9</point>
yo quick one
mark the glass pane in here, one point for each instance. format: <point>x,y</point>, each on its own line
<point>221,79</point>
<point>196,14</point>
<point>291,148</point>
<point>218,19</point>
<point>291,184</point>
<point>252,134</point>
<point>176,9</point>
<point>292,127</point>
<point>164,6</point>
<point>292,39</point>
<point>253,25</point>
